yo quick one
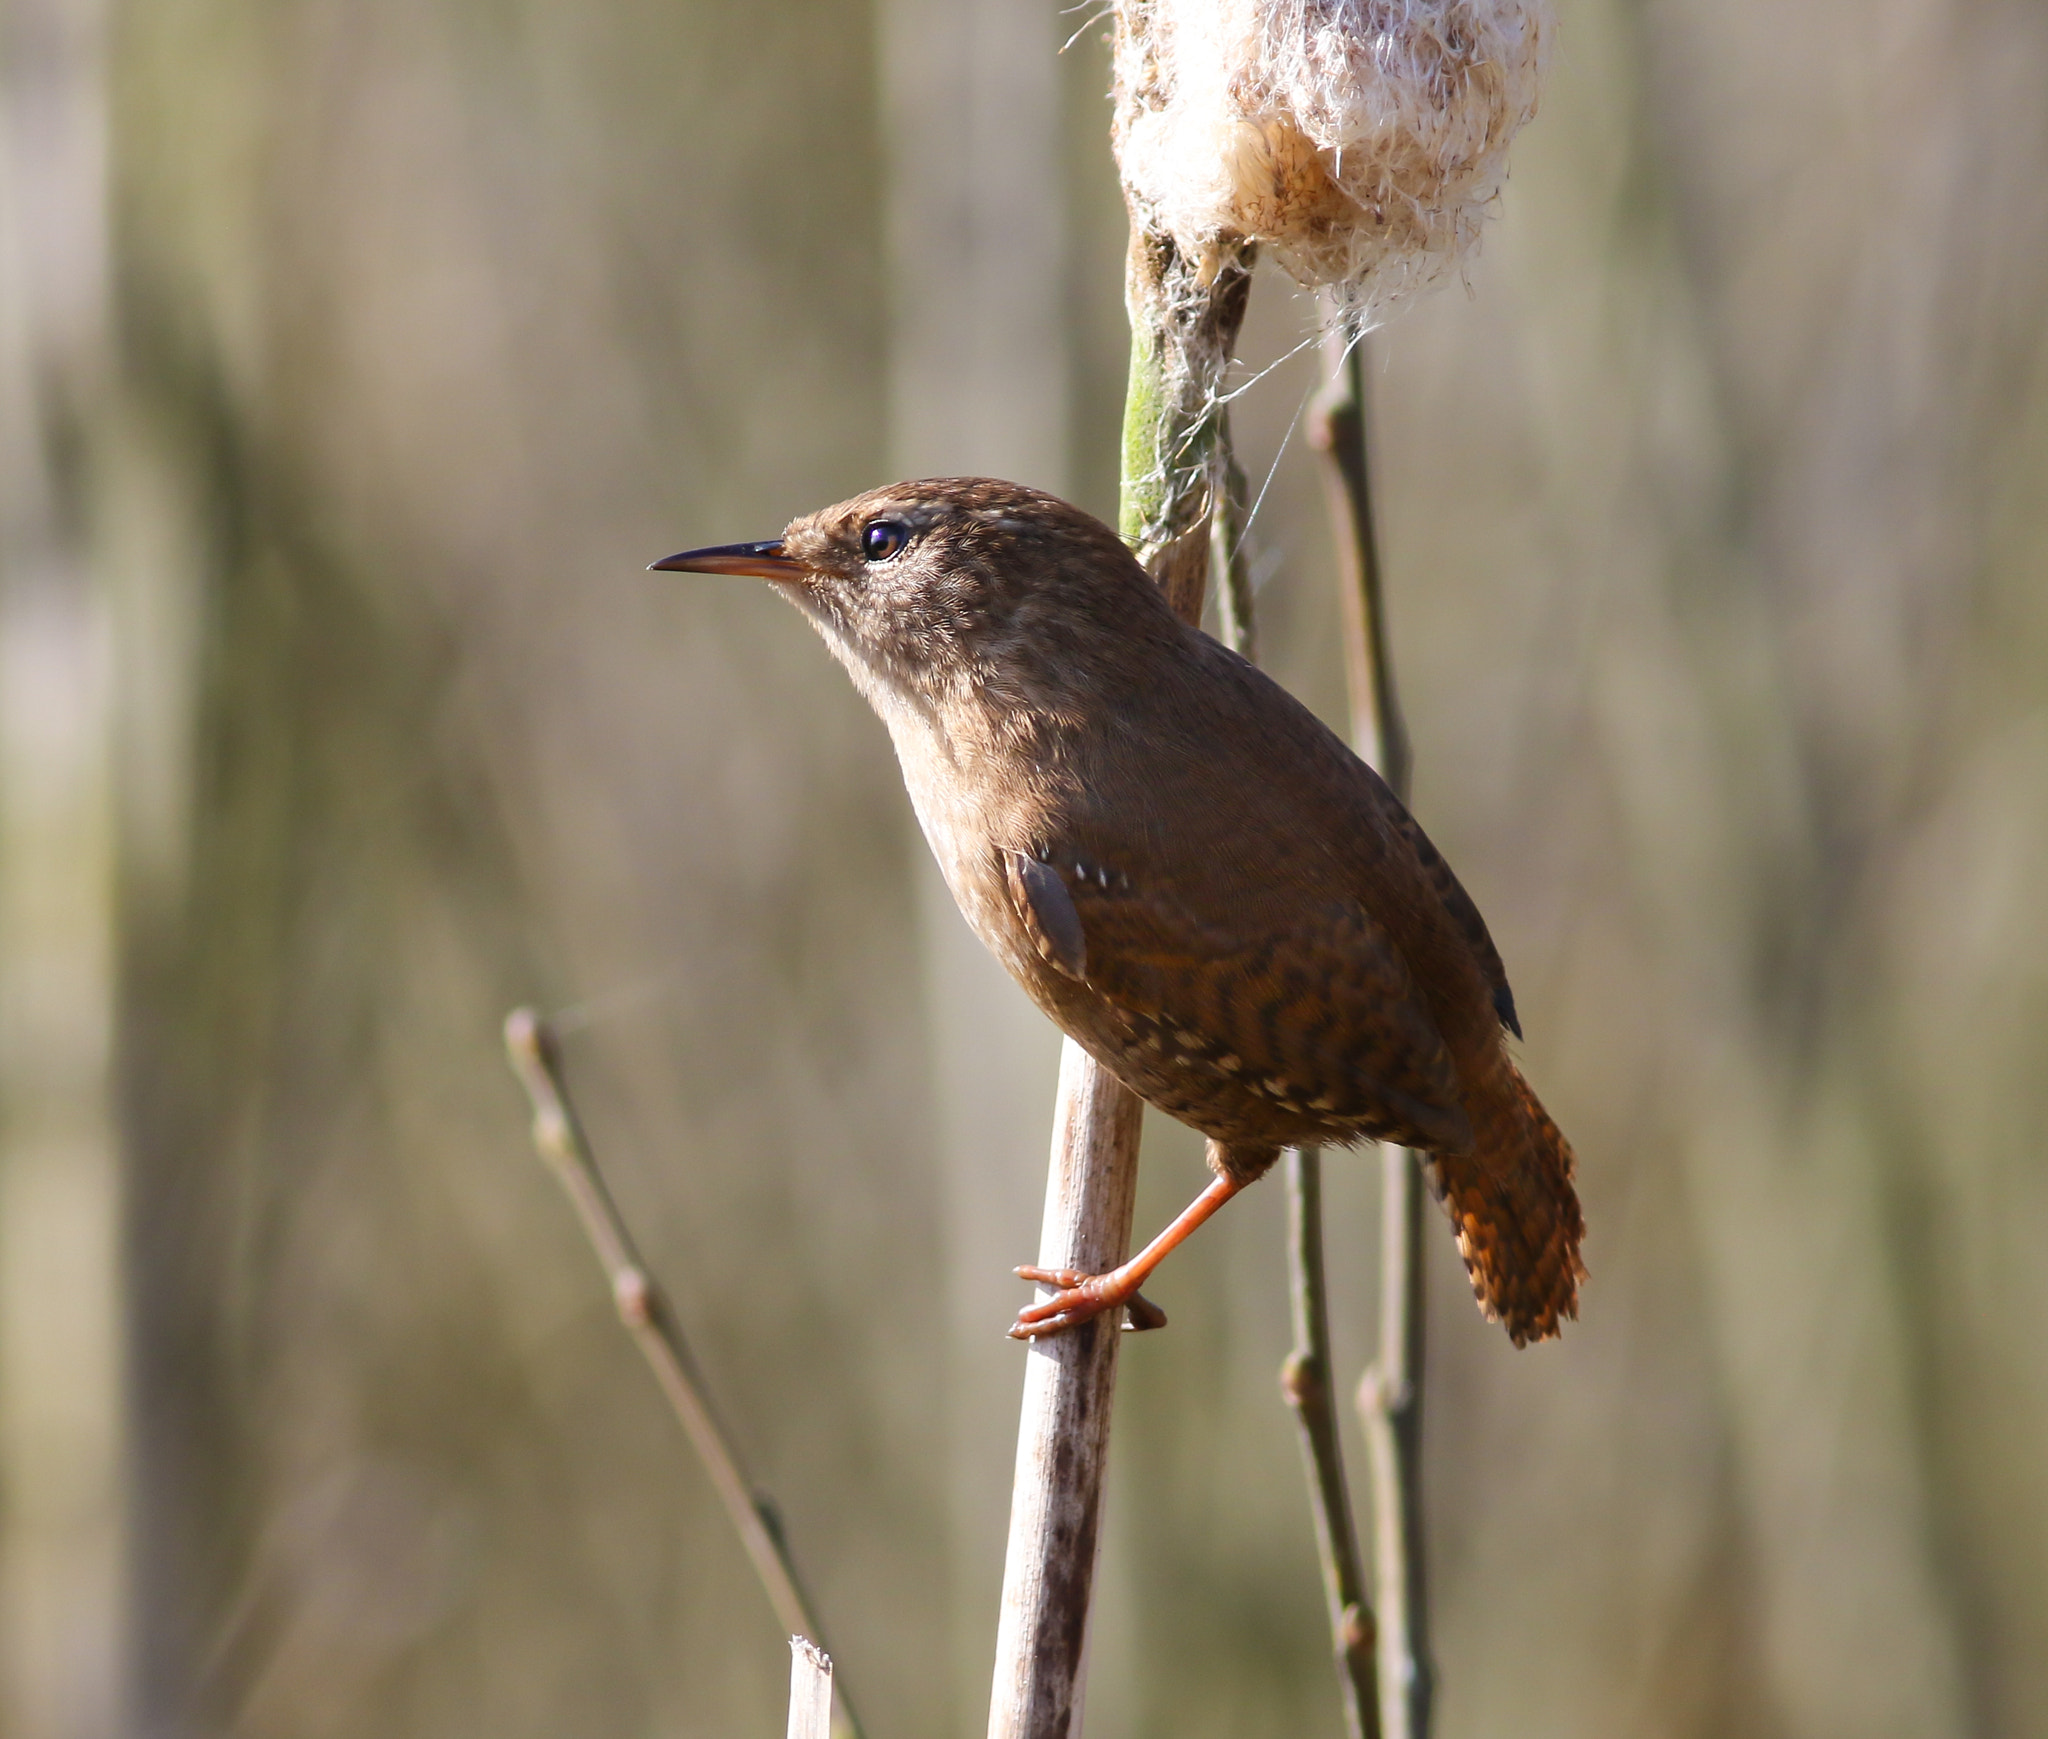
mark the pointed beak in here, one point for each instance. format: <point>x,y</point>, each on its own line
<point>761,561</point>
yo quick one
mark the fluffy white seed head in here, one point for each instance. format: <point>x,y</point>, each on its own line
<point>1359,142</point>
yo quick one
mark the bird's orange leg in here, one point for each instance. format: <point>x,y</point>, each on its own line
<point>1082,1296</point>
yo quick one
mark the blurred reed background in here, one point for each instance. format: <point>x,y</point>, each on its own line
<point>355,355</point>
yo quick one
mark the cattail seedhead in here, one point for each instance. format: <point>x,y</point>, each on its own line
<point>1357,141</point>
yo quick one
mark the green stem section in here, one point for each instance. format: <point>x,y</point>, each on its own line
<point>1184,322</point>
<point>1141,494</point>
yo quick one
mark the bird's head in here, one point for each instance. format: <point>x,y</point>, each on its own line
<point>955,587</point>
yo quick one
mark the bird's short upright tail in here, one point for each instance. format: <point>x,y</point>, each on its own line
<point>1515,1212</point>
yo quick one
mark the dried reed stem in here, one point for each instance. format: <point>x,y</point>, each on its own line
<point>810,1690</point>
<point>1181,335</point>
<point>536,1060</point>
<point>1390,1397</point>
<point>1063,1440</point>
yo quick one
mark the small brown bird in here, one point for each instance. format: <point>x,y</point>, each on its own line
<point>1184,868</point>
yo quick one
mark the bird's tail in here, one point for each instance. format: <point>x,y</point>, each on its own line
<point>1515,1212</point>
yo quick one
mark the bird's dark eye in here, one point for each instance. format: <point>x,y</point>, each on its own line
<point>882,538</point>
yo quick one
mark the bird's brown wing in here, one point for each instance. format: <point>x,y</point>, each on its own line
<point>1318,1012</point>
<point>1463,913</point>
<point>1291,766</point>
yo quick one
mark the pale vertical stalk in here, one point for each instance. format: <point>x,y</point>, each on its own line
<point>810,1690</point>
<point>1390,1397</point>
<point>1063,1441</point>
<point>1181,335</point>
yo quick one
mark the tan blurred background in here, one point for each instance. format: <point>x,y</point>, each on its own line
<point>356,355</point>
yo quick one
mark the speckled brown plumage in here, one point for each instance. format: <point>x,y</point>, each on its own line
<point>1183,866</point>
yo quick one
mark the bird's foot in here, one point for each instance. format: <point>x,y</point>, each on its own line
<point>1081,1297</point>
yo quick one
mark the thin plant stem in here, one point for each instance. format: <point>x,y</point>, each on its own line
<point>1235,616</point>
<point>1305,1377</point>
<point>558,1136</point>
<point>1390,1397</point>
<point>1337,430</point>
<point>1390,1406</point>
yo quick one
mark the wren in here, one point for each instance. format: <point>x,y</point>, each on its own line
<point>1183,867</point>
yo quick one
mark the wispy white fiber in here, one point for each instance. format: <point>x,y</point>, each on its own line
<point>1359,142</point>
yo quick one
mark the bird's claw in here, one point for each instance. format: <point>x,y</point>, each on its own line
<point>1079,1298</point>
<point>1140,1314</point>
